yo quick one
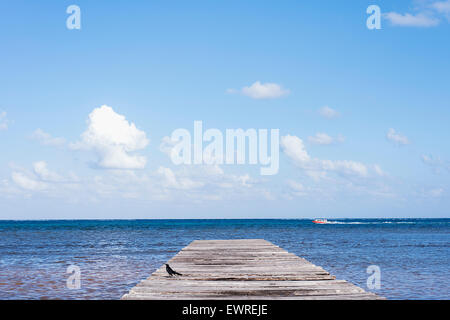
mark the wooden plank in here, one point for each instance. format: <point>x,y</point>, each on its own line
<point>250,269</point>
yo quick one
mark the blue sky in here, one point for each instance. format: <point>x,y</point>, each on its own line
<point>163,65</point>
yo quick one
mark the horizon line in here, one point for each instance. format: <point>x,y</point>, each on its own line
<point>137,219</point>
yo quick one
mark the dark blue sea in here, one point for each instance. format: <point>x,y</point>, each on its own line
<point>114,255</point>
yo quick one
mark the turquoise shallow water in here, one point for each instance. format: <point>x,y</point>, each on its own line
<point>114,255</point>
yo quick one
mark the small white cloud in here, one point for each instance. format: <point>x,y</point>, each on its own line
<point>378,170</point>
<point>169,177</point>
<point>321,138</point>
<point>294,148</point>
<point>3,121</point>
<point>260,90</point>
<point>41,179</point>
<point>46,139</point>
<point>442,6</point>
<point>268,195</point>
<point>41,170</point>
<point>436,163</point>
<point>324,139</point>
<point>113,138</point>
<point>26,182</point>
<point>427,14</point>
<point>346,167</point>
<point>171,181</point>
<point>410,20</point>
<point>396,138</point>
<point>328,112</point>
<point>296,188</point>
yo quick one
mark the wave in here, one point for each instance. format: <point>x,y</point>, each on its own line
<point>371,222</point>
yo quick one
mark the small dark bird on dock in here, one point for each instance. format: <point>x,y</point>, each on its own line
<point>172,272</point>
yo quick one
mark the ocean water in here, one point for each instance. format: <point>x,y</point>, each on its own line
<point>114,255</point>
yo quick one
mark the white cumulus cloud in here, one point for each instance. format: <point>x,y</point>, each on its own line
<point>324,139</point>
<point>41,170</point>
<point>427,14</point>
<point>46,139</point>
<point>296,188</point>
<point>378,170</point>
<point>328,112</point>
<point>260,90</point>
<point>411,20</point>
<point>442,6</point>
<point>170,180</point>
<point>396,137</point>
<point>294,148</point>
<point>26,182</point>
<point>436,163</point>
<point>42,180</point>
<point>114,140</point>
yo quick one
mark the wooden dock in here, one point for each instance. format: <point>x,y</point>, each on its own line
<point>242,269</point>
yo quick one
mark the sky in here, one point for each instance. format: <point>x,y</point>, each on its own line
<point>86,115</point>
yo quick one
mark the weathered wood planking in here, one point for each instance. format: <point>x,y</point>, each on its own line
<point>243,269</point>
